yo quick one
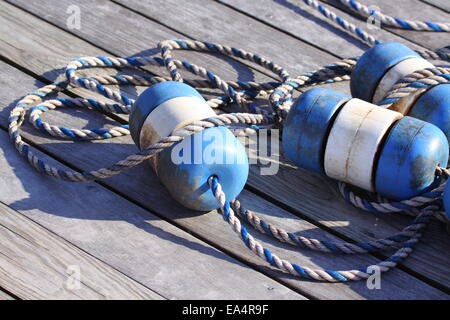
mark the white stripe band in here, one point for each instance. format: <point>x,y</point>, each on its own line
<point>354,141</point>
<point>170,115</point>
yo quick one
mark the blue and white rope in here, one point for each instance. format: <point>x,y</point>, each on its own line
<point>305,272</point>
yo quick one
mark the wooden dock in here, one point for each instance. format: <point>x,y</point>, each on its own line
<point>125,237</point>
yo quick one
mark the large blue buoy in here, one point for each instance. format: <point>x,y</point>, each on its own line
<point>185,168</point>
<point>357,142</point>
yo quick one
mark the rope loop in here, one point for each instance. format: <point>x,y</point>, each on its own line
<point>408,238</point>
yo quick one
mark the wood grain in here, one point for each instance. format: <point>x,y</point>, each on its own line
<point>132,34</point>
<point>37,264</point>
<point>303,22</point>
<point>442,4</point>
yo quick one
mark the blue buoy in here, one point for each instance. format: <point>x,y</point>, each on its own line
<point>375,63</point>
<point>360,143</point>
<point>409,158</point>
<point>434,107</point>
<point>307,125</point>
<point>185,168</point>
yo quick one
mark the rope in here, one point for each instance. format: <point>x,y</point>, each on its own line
<point>235,91</point>
<point>413,85</point>
<point>321,245</point>
<point>307,273</point>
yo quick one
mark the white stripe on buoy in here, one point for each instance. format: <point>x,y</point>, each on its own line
<point>170,115</point>
<point>400,70</point>
<point>354,141</point>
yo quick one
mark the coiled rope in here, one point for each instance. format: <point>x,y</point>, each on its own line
<point>422,207</point>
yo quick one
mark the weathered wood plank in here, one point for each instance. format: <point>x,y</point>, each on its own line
<point>154,252</point>
<point>125,38</point>
<point>298,19</point>
<point>5,296</point>
<point>413,10</point>
<point>137,182</point>
<point>37,264</point>
<point>49,58</point>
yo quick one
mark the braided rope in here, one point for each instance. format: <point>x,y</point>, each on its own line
<point>417,75</point>
<point>304,272</point>
<point>168,46</point>
<point>343,23</point>
<point>85,134</point>
<point>395,22</point>
<point>96,83</point>
<point>18,113</point>
<point>280,98</point>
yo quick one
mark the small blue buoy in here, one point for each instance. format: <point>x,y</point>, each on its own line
<point>186,167</point>
<point>154,96</point>
<point>307,125</point>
